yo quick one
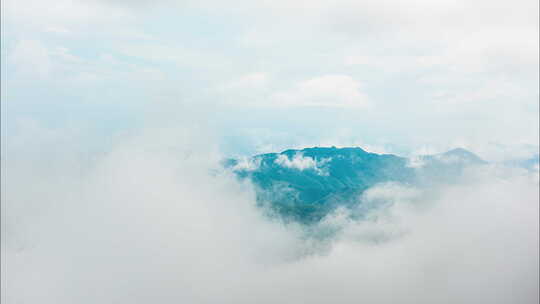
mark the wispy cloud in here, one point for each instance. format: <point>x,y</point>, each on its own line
<point>301,162</point>
<point>325,91</point>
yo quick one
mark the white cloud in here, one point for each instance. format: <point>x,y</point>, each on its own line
<point>329,91</point>
<point>301,162</point>
<point>247,164</point>
<point>143,221</point>
<point>416,161</point>
<point>326,91</point>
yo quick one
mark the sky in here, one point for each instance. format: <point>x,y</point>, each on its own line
<point>116,116</point>
<point>394,77</point>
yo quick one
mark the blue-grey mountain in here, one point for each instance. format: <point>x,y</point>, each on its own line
<point>305,185</point>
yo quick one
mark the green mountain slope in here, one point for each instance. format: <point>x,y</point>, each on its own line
<point>305,185</point>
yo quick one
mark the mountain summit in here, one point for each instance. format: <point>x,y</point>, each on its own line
<point>305,185</point>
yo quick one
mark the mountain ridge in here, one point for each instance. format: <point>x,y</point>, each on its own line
<point>306,184</point>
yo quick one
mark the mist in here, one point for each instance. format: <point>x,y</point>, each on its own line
<point>154,218</point>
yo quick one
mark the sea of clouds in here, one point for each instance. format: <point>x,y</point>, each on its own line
<point>153,218</point>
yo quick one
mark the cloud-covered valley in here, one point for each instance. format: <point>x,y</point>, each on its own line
<point>151,220</point>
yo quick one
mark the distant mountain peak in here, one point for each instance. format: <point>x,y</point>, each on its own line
<point>460,151</point>
<point>460,155</point>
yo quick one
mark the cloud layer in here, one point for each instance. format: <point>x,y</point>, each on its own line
<point>152,221</point>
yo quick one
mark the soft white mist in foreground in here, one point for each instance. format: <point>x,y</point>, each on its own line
<point>150,222</point>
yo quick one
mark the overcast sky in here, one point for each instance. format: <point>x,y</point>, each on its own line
<point>265,75</point>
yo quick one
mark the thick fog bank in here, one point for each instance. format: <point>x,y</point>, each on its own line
<point>154,222</point>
